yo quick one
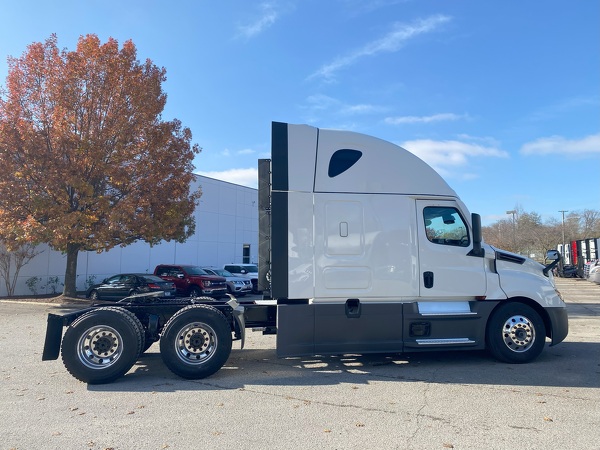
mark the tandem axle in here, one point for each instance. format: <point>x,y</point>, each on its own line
<point>103,341</point>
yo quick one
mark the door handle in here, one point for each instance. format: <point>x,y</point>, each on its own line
<point>428,279</point>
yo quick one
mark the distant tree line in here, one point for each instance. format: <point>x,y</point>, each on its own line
<point>528,234</point>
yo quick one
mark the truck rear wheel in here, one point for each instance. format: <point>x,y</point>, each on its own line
<point>196,342</point>
<point>102,345</point>
<point>516,333</point>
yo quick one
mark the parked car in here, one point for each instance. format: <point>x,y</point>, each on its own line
<point>568,271</point>
<point>594,275</point>
<point>192,281</point>
<point>246,271</point>
<point>238,286</point>
<point>123,285</point>
<point>588,266</point>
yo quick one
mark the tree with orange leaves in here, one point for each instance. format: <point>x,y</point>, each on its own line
<point>87,163</point>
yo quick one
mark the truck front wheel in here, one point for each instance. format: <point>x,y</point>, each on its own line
<point>102,345</point>
<point>515,333</point>
<point>196,342</point>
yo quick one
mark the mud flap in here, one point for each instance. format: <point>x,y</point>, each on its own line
<point>53,337</point>
<point>238,315</point>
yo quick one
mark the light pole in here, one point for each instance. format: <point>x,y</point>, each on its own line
<point>513,212</point>
<point>563,232</point>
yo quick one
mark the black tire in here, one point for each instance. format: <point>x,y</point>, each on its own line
<point>138,324</point>
<point>102,345</point>
<point>196,342</point>
<point>204,298</point>
<point>515,333</point>
<point>195,291</point>
<point>146,338</point>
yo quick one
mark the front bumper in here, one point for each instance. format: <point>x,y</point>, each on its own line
<point>559,321</point>
<point>217,291</point>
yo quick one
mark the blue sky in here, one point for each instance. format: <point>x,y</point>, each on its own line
<point>502,97</point>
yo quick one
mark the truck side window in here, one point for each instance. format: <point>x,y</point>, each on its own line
<point>342,160</point>
<point>445,226</point>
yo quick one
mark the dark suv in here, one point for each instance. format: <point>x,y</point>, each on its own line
<point>192,280</point>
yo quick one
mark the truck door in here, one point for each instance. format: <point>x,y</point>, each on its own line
<point>447,271</point>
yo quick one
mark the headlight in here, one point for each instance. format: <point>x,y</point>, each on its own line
<point>207,283</point>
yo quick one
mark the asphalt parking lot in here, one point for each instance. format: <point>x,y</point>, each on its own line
<point>462,400</point>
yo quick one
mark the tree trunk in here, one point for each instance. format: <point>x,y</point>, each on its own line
<point>71,270</point>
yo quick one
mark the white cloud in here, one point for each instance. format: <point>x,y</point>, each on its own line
<point>446,156</point>
<point>390,43</point>
<point>489,141</point>
<point>227,152</point>
<point>442,117</point>
<point>268,16</point>
<point>361,108</point>
<point>320,102</point>
<point>358,7</point>
<point>245,177</point>
<point>589,145</point>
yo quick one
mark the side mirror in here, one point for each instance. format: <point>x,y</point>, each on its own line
<point>180,275</point>
<point>477,237</point>
<point>554,256</point>
<point>244,271</point>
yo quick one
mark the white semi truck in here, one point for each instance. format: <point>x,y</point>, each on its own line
<point>363,248</point>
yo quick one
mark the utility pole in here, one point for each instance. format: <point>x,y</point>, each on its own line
<point>563,232</point>
<point>513,212</point>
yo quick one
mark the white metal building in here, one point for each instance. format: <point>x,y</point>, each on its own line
<point>226,232</point>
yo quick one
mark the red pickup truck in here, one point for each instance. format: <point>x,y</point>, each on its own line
<point>192,280</point>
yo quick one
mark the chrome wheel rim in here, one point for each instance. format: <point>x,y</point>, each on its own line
<point>196,343</point>
<point>518,333</point>
<point>100,347</point>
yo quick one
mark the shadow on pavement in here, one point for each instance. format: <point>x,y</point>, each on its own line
<point>570,365</point>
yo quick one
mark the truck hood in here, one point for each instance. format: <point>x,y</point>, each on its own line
<point>513,261</point>
<point>523,277</point>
